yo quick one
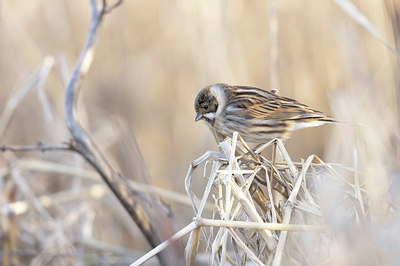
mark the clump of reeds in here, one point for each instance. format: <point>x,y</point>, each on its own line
<point>269,211</point>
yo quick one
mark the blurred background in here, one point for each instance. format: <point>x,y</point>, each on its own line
<point>152,58</point>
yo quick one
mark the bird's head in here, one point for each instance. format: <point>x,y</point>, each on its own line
<point>206,105</point>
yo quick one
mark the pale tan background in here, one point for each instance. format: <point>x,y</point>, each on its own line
<point>154,56</point>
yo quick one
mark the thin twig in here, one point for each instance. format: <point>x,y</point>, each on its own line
<point>109,8</point>
<point>38,147</point>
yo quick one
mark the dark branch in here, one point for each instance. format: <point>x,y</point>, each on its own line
<point>146,217</point>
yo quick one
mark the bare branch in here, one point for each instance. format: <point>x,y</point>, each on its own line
<point>144,216</point>
<point>37,147</point>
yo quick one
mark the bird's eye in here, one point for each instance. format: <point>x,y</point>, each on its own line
<point>205,106</point>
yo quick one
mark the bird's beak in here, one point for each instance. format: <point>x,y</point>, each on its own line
<point>198,117</point>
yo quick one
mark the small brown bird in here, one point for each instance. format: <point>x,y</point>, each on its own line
<point>257,115</point>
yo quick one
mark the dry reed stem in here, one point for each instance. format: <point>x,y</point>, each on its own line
<point>192,246</point>
<point>181,233</point>
<point>288,210</point>
<point>353,12</point>
<point>259,226</point>
<point>38,77</point>
<point>248,251</point>
<point>357,190</point>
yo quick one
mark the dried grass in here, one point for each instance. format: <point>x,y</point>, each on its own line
<point>298,217</point>
<point>273,230</point>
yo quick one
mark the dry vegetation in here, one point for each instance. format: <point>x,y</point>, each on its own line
<point>271,212</point>
<point>151,59</point>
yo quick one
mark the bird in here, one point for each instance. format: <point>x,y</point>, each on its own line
<point>256,114</point>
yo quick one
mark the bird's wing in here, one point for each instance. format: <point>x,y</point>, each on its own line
<point>260,104</point>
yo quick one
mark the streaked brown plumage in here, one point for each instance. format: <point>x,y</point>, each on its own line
<point>257,115</point>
